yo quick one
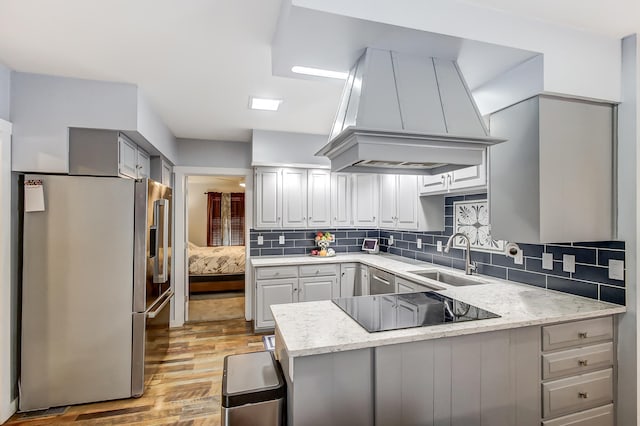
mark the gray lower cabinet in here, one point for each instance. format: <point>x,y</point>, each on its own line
<point>277,285</point>
<point>484,379</point>
<point>481,379</point>
<point>601,416</point>
<point>578,373</point>
<point>348,279</point>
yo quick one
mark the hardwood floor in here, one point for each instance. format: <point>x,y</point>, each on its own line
<point>216,307</point>
<point>185,390</point>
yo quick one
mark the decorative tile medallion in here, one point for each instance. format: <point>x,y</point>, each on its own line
<point>472,219</point>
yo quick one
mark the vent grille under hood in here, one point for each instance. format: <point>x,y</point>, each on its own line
<point>406,114</point>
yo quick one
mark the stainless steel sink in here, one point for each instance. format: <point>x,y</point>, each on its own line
<point>451,279</point>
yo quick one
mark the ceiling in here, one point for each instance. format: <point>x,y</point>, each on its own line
<point>198,61</point>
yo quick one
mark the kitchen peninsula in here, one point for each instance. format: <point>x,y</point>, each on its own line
<point>549,358</point>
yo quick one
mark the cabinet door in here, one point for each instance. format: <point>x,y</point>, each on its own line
<point>469,177</point>
<point>294,198</point>
<point>388,201</point>
<point>127,158</point>
<point>404,287</point>
<point>348,274</point>
<point>363,284</point>
<point>365,199</point>
<point>341,200</point>
<point>319,198</point>
<point>268,198</point>
<point>143,164</point>
<point>388,312</point>
<point>317,288</point>
<point>407,199</point>
<point>273,292</point>
<point>436,184</point>
<point>406,314</point>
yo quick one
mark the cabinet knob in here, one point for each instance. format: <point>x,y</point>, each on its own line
<point>295,289</point>
<point>583,362</point>
<point>583,395</point>
<point>582,334</point>
<point>310,218</point>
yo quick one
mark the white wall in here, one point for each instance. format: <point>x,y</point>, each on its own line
<point>8,283</point>
<point>208,153</point>
<point>517,84</point>
<point>43,107</point>
<point>628,219</point>
<point>153,129</point>
<point>197,202</point>
<point>269,148</point>
<point>5,89</point>
<point>575,62</point>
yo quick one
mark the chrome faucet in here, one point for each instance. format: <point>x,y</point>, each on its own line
<point>468,266</point>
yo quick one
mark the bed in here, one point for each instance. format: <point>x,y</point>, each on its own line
<point>216,268</point>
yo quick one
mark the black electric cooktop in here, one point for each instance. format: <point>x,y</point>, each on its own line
<point>384,312</point>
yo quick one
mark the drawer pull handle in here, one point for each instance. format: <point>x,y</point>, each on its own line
<point>582,334</point>
<point>583,395</point>
<point>583,362</point>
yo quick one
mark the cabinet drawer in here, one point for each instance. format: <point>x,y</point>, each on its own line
<point>276,272</point>
<point>318,270</point>
<point>576,361</point>
<point>601,416</point>
<point>589,390</point>
<point>576,333</point>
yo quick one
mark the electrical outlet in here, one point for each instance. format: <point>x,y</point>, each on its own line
<point>439,246</point>
<point>390,240</point>
<point>616,269</point>
<point>260,240</point>
<point>419,243</point>
<point>547,261</point>
<point>568,263</point>
<point>281,239</point>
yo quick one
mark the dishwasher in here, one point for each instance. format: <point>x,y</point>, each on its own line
<point>381,282</point>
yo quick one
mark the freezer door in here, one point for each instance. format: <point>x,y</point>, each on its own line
<point>152,276</point>
<point>150,342</point>
<point>76,293</point>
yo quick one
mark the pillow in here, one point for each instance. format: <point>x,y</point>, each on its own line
<point>192,246</point>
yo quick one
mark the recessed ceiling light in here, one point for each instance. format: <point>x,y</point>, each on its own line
<point>320,72</point>
<point>264,104</point>
<point>242,184</point>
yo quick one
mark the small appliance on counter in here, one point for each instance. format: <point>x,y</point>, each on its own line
<point>370,245</point>
<point>395,311</point>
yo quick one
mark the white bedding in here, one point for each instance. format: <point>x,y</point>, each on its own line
<point>216,260</point>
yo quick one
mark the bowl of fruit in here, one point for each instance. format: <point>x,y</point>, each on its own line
<point>323,240</point>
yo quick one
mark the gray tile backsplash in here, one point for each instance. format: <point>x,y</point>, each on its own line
<point>590,279</point>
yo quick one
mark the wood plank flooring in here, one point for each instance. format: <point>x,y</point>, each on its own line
<point>216,307</point>
<point>185,390</point>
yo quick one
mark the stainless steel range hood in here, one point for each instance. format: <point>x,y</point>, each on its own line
<point>406,114</point>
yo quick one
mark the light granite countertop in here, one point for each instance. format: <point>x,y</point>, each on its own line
<point>311,328</point>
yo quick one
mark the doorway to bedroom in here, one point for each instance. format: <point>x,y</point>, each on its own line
<point>216,247</point>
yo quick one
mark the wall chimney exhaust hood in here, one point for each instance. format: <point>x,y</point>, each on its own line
<point>406,114</point>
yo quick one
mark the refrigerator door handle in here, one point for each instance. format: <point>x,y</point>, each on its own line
<point>160,263</point>
<point>155,312</point>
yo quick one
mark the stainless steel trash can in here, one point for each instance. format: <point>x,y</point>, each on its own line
<point>253,390</point>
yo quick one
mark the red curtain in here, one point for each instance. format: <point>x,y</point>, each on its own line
<point>236,236</point>
<point>214,219</point>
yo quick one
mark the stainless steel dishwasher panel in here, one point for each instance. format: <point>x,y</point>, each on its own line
<point>381,282</point>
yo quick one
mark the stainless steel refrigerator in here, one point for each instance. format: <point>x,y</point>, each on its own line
<point>95,289</point>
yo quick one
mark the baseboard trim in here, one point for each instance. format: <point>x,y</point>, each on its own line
<point>9,411</point>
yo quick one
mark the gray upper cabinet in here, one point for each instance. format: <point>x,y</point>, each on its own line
<point>161,170</point>
<point>552,181</point>
<point>98,152</point>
